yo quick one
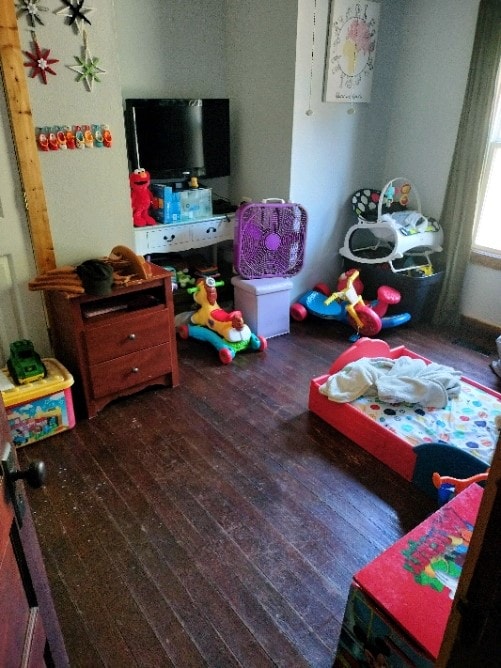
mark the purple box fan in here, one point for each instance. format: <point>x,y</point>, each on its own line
<point>269,239</point>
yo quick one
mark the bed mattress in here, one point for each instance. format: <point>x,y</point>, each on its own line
<point>462,433</point>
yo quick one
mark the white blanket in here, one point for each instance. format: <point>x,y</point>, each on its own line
<point>404,379</point>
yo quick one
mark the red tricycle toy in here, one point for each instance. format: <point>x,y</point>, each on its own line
<point>347,305</point>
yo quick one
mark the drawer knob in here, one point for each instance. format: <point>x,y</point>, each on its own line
<point>132,337</point>
<point>135,369</point>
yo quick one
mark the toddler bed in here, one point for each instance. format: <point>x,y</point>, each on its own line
<point>458,440</point>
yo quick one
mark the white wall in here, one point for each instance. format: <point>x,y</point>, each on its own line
<point>171,49</point>
<point>481,290</point>
<point>174,49</point>
<point>408,129</point>
<point>316,160</point>
<point>247,51</point>
<point>260,56</point>
<point>430,75</point>
<point>334,153</point>
<point>87,190</point>
<point>21,312</point>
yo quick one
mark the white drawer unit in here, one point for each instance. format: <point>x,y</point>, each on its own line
<point>169,237</point>
<point>211,231</point>
<point>173,237</point>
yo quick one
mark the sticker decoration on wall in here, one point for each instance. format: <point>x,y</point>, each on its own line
<point>66,137</point>
<point>31,8</point>
<point>74,11</point>
<point>87,69</point>
<point>39,61</point>
<point>352,51</point>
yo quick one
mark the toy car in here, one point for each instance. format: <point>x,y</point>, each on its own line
<point>24,363</point>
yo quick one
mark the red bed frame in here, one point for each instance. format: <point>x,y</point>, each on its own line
<point>416,464</point>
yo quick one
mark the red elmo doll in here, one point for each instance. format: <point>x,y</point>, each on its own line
<point>141,198</point>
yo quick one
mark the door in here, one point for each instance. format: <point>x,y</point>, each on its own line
<point>29,633</point>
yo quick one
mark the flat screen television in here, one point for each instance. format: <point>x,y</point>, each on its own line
<point>176,138</point>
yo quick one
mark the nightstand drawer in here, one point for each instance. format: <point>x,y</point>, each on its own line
<point>127,334</point>
<point>130,370</point>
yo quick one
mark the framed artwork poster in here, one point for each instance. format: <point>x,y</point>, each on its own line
<point>351,51</point>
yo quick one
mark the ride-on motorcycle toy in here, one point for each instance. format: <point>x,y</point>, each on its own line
<point>224,330</point>
<point>347,305</point>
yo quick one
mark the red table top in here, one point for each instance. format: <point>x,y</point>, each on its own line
<point>414,581</point>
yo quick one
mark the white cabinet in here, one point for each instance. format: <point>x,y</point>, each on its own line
<point>174,237</point>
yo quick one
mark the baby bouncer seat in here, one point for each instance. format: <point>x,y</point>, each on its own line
<point>389,229</point>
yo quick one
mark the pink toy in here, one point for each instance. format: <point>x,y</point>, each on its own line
<point>141,198</point>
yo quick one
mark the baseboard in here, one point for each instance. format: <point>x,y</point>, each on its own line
<point>479,328</point>
<point>478,336</point>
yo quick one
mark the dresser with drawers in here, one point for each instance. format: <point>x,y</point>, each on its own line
<point>118,344</point>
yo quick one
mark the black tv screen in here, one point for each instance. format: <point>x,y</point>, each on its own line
<point>178,138</point>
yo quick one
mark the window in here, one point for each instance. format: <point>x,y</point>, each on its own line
<point>487,230</point>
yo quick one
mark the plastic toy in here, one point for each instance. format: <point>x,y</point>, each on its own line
<point>183,278</point>
<point>347,305</point>
<point>225,331</point>
<point>24,363</point>
<point>447,487</point>
<point>141,198</point>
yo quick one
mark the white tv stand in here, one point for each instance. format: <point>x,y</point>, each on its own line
<point>174,237</point>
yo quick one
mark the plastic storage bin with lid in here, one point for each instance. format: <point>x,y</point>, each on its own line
<point>41,408</point>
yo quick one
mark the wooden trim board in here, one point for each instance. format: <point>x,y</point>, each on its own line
<point>23,132</point>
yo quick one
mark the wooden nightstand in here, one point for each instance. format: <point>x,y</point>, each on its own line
<point>118,344</point>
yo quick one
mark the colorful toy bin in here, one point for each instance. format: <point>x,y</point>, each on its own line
<point>42,408</point>
<point>181,206</point>
<point>399,604</point>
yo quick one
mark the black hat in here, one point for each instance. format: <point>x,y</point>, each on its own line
<point>96,276</point>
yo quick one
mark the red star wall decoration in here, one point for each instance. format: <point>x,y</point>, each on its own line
<point>40,62</point>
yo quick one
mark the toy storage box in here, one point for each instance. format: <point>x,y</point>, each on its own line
<point>264,303</point>
<point>399,604</point>
<point>42,408</point>
<point>181,206</point>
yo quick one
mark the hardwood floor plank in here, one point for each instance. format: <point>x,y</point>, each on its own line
<point>164,600</point>
<point>88,595</point>
<point>147,484</point>
<point>96,579</point>
<point>298,452</point>
<point>219,523</point>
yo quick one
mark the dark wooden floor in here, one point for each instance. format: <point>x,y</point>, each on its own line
<point>219,523</point>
